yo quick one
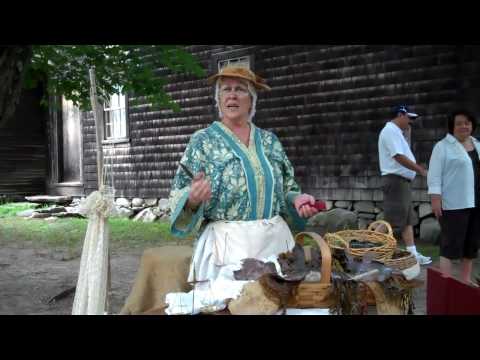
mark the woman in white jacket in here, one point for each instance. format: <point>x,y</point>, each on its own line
<point>454,187</point>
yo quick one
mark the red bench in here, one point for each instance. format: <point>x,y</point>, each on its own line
<point>449,296</point>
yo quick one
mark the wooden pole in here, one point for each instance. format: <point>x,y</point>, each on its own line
<point>98,116</point>
<point>99,121</point>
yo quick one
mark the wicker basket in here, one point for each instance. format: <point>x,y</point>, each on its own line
<point>386,242</point>
<point>335,241</point>
<point>315,294</point>
<point>401,263</point>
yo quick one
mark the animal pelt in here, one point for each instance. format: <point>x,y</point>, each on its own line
<point>294,264</point>
<point>398,289</point>
<point>252,269</point>
<point>349,300</point>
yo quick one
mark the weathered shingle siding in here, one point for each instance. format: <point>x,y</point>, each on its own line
<point>327,105</point>
<point>330,102</point>
<point>23,149</point>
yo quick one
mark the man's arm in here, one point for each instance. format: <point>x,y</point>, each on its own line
<point>409,164</point>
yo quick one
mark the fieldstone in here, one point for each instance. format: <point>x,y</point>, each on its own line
<point>136,210</point>
<point>430,230</point>
<point>137,202</point>
<point>37,215</point>
<point>72,209</point>
<point>343,204</point>
<point>334,220</point>
<point>76,201</point>
<point>363,223</point>
<point>424,210</point>
<point>46,199</point>
<point>26,213</point>
<point>146,215</point>
<point>151,202</point>
<point>123,202</point>
<point>163,205</point>
<point>364,206</point>
<point>157,211</point>
<point>51,210</point>
<point>122,212</point>
<point>367,216</point>
<point>69,215</point>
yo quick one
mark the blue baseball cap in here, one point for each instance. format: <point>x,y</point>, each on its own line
<point>404,109</point>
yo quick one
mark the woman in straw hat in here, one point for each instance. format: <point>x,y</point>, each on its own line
<point>242,181</point>
<point>236,188</point>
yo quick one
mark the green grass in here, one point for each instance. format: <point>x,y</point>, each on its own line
<point>124,233</point>
<point>11,209</point>
<point>429,250</point>
<point>70,232</point>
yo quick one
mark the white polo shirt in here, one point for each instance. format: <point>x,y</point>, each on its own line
<point>391,142</point>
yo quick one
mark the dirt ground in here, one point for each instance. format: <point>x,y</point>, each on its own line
<point>30,277</point>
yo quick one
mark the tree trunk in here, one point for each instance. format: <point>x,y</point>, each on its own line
<point>14,62</point>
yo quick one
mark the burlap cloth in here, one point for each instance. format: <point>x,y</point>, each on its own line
<point>162,270</point>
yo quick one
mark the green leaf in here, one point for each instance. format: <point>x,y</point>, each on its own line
<point>134,68</point>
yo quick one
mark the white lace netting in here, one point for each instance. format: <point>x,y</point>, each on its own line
<point>91,291</point>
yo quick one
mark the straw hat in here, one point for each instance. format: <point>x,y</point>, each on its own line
<point>242,73</point>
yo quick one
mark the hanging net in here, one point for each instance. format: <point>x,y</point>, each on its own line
<point>91,296</point>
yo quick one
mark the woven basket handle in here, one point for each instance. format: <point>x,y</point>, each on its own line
<point>331,237</point>
<point>326,269</point>
<point>374,224</point>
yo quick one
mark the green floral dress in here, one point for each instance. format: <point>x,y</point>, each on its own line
<point>248,183</point>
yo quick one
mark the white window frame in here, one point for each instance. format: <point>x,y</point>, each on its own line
<point>244,61</point>
<point>116,127</point>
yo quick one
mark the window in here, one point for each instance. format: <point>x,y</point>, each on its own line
<point>238,61</point>
<point>115,118</point>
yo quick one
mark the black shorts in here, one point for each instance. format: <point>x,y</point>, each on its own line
<point>460,233</point>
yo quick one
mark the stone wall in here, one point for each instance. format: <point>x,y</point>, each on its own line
<point>342,215</point>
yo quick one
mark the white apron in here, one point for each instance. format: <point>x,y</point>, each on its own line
<point>226,243</point>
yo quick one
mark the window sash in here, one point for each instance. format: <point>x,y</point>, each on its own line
<point>115,119</point>
<point>237,61</point>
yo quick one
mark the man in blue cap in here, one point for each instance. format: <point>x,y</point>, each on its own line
<point>398,169</point>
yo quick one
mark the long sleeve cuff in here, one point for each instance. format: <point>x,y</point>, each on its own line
<point>296,221</point>
<point>291,195</point>
<point>184,221</point>
<point>437,190</point>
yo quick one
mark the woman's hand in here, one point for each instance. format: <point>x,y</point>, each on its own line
<point>304,205</point>
<point>436,201</point>
<point>200,191</point>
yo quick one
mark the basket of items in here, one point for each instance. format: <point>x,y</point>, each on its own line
<point>359,242</point>
<point>400,260</point>
<point>314,294</point>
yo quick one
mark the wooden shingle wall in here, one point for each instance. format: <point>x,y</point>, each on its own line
<point>23,149</point>
<point>327,105</point>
